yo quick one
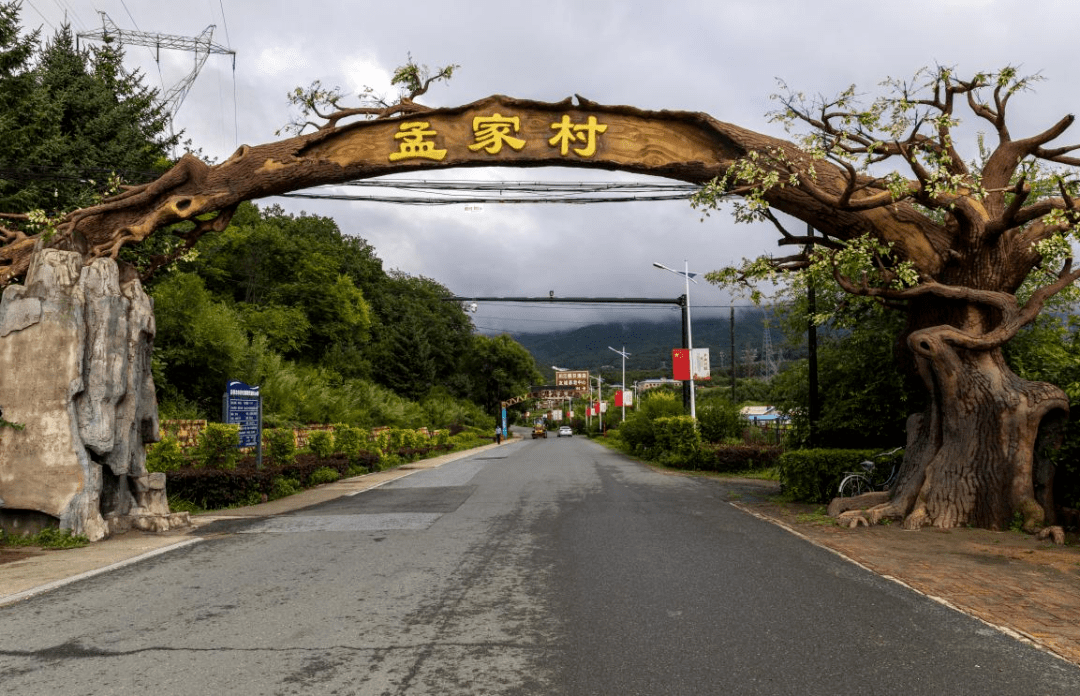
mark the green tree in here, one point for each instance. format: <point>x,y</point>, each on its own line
<point>200,343</point>
<point>287,277</point>
<point>70,119</point>
<point>499,369</point>
<point>863,398</point>
<point>17,103</point>
<point>423,338</point>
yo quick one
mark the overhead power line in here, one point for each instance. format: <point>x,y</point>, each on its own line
<point>420,192</point>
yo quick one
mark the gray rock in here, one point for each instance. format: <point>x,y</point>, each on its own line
<point>75,349</point>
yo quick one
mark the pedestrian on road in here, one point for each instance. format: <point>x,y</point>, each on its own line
<point>498,435</point>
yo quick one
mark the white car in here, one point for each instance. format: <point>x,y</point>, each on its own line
<point>565,431</point>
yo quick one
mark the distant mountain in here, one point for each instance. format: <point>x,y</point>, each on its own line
<point>650,343</point>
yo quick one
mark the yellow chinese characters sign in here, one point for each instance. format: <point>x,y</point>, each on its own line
<point>490,133</point>
<point>578,379</point>
<point>568,132</point>
<point>415,143</point>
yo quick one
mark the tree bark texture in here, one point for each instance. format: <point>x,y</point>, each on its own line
<point>970,456</point>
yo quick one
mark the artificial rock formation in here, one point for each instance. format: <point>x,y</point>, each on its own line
<point>75,347</point>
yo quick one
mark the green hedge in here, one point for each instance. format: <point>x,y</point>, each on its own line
<point>732,459</point>
<point>215,489</point>
<point>813,475</point>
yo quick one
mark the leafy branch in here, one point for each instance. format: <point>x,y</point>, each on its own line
<point>324,103</point>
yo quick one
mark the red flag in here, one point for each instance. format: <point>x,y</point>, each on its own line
<point>618,397</point>
<point>680,364</point>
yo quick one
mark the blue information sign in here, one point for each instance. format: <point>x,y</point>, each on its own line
<point>243,406</point>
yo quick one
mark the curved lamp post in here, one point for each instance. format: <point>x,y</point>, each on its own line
<point>688,276</point>
<point>624,355</point>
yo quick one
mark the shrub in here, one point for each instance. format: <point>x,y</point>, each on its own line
<point>719,419</point>
<point>321,443</point>
<point>281,446</point>
<point>166,455</point>
<point>349,440</point>
<point>812,475</point>
<point>219,446</point>
<point>283,487</point>
<point>638,430</point>
<point>211,489</point>
<point>323,474</point>
<point>677,435</point>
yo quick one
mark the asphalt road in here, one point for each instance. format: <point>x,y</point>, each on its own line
<point>545,566</point>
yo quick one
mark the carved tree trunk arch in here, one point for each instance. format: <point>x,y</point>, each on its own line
<point>969,457</point>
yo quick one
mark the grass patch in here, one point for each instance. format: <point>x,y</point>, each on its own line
<point>770,474</point>
<point>181,505</point>
<point>46,539</point>
<point>818,516</point>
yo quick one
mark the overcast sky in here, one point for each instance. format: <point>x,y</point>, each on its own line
<point>722,57</point>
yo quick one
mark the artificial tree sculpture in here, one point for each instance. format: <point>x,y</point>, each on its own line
<point>951,243</point>
<point>955,244</point>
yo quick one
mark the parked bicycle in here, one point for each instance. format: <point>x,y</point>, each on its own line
<point>869,479</point>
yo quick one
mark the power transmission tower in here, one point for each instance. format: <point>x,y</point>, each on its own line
<point>770,363</point>
<point>202,45</point>
<point>749,356</point>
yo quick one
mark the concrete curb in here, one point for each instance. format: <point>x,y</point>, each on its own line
<point>55,584</point>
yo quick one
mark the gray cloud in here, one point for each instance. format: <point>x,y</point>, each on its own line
<point>719,57</point>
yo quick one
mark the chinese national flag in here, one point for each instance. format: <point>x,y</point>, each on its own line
<point>618,397</point>
<point>680,364</point>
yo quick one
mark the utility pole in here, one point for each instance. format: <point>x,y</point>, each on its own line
<point>814,407</point>
<point>731,328</point>
<point>624,355</point>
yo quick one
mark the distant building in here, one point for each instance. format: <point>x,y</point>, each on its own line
<point>646,384</point>
<point>763,415</point>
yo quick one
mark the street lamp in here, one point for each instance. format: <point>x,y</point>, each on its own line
<point>624,355</point>
<point>688,276</point>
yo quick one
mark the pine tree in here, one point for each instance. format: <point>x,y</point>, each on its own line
<point>71,118</point>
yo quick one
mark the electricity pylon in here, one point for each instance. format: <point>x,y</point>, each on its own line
<point>770,358</point>
<point>202,45</point>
